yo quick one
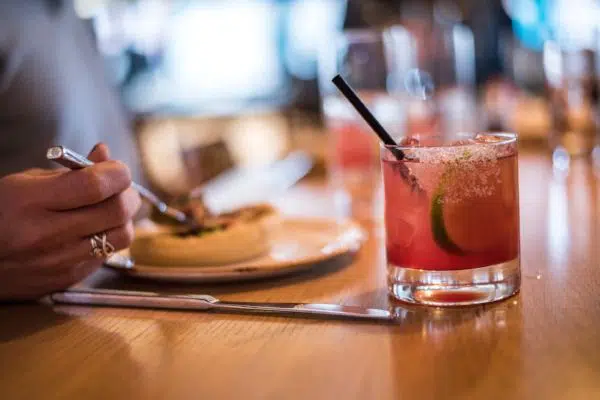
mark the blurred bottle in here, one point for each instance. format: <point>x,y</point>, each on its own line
<point>572,88</point>
<point>441,81</point>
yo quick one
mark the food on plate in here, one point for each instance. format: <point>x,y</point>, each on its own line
<point>215,239</point>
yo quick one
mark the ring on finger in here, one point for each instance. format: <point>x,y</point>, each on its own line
<point>107,248</point>
<point>96,250</point>
<point>101,247</point>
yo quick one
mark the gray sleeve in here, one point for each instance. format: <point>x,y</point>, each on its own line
<point>20,130</point>
<point>53,89</point>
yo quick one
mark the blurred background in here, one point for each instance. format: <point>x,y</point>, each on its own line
<point>219,83</point>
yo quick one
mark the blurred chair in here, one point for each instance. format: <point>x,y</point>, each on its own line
<point>181,153</point>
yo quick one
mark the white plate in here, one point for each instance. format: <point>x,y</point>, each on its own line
<point>296,244</point>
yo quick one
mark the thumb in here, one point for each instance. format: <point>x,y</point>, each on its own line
<point>99,153</point>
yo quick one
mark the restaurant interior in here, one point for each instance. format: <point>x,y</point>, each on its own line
<point>232,102</point>
<point>186,92</point>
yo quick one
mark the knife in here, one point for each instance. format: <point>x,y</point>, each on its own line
<point>241,186</point>
<point>201,302</point>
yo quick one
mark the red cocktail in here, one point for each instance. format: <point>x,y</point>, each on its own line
<point>452,219</point>
<point>354,167</point>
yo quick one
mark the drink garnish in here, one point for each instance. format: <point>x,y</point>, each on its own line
<point>465,213</point>
<point>438,227</point>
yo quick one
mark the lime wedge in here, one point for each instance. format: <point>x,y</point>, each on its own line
<point>475,223</point>
<point>438,227</point>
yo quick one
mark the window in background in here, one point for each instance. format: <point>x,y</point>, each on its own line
<point>224,51</point>
<point>217,56</point>
<point>569,21</point>
<point>574,23</point>
<point>213,56</point>
<point>312,23</point>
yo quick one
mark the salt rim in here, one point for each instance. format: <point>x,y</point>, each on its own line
<point>455,154</point>
<point>462,152</point>
<point>469,179</point>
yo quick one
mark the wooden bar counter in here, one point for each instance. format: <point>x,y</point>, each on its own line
<point>541,344</point>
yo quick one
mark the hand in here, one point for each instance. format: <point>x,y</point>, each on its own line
<point>47,217</point>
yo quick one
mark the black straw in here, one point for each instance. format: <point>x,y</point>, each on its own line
<point>364,112</point>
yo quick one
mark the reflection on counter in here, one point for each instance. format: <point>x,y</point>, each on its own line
<point>461,348</point>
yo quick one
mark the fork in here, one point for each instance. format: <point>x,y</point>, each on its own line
<point>72,160</point>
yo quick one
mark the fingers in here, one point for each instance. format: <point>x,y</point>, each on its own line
<point>43,172</point>
<point>76,274</point>
<point>99,153</point>
<point>120,237</point>
<point>84,187</point>
<point>113,212</point>
<point>69,278</point>
<point>34,285</point>
<point>59,228</point>
<point>59,269</point>
<point>60,261</point>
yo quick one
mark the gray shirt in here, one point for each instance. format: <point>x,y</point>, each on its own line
<point>53,88</point>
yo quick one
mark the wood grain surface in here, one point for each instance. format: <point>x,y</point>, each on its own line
<point>542,344</point>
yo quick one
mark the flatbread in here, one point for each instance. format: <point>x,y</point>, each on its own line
<point>239,236</point>
<point>239,242</point>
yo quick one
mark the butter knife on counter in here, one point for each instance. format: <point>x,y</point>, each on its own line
<point>193,302</point>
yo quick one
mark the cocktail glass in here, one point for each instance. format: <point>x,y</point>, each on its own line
<point>452,218</point>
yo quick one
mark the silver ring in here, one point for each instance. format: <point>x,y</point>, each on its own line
<point>96,250</point>
<point>101,247</point>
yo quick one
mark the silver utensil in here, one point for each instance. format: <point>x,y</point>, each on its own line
<point>239,186</point>
<point>121,298</point>
<point>72,160</point>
